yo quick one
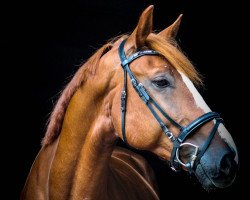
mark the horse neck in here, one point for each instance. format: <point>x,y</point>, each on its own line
<point>85,145</point>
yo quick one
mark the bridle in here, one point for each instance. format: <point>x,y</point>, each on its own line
<point>186,131</point>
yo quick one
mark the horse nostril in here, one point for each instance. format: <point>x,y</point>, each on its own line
<point>228,166</point>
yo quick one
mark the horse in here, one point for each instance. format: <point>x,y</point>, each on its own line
<point>141,89</point>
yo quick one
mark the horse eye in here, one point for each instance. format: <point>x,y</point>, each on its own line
<point>161,83</point>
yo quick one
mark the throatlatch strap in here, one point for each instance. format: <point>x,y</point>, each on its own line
<point>123,106</point>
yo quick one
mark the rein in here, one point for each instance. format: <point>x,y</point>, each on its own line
<point>186,131</point>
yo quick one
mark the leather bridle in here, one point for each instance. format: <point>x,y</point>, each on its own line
<point>186,131</point>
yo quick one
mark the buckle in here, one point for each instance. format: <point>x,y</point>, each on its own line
<point>175,170</point>
<point>123,101</point>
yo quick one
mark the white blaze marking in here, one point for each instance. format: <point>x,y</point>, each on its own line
<point>225,135</point>
<point>200,103</point>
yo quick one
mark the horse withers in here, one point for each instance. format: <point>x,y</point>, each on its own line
<point>139,88</point>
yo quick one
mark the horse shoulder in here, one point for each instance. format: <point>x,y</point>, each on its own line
<point>36,186</point>
<point>132,177</point>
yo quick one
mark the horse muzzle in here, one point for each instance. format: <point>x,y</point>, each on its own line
<point>217,167</point>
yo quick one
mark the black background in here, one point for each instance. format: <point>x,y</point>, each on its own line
<point>44,43</point>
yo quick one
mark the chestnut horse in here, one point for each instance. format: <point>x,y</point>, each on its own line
<point>80,159</point>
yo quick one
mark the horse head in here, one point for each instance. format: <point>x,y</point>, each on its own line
<point>181,128</point>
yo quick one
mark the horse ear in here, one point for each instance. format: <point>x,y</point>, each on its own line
<point>172,30</point>
<point>143,28</point>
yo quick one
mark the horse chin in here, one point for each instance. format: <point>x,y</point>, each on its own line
<point>208,182</point>
<point>204,179</point>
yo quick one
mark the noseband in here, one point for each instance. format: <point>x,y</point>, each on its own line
<point>186,131</point>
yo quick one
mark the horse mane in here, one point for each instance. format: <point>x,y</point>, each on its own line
<point>168,48</point>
